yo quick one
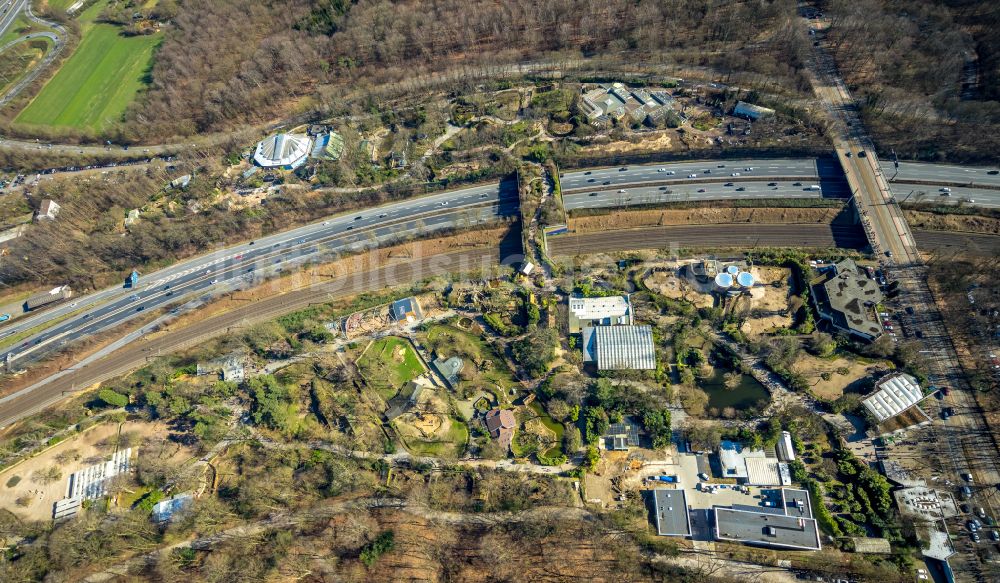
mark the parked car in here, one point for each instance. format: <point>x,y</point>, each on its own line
<point>4,317</point>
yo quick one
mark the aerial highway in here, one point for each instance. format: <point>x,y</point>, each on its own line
<point>941,174</point>
<point>805,168</point>
<point>45,393</point>
<point>243,264</point>
<point>643,184</point>
<point>982,197</point>
<point>8,16</point>
<point>605,196</point>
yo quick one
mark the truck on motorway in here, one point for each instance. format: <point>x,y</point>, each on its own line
<point>56,294</point>
<point>132,280</point>
<point>813,187</point>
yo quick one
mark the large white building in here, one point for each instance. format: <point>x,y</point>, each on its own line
<point>893,395</point>
<point>603,311</point>
<point>286,151</point>
<point>619,347</point>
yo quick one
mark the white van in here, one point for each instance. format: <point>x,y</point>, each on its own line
<point>813,187</point>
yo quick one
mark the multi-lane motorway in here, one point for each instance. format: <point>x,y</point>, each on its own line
<point>241,264</point>
<point>595,188</point>
<point>690,171</point>
<point>645,195</point>
<point>941,174</point>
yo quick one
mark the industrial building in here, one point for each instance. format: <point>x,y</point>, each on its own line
<point>670,511</point>
<point>788,524</point>
<point>893,395</point>
<point>845,297</point>
<point>751,111</point>
<point>602,311</point>
<point>288,151</point>
<point>752,466</point>
<point>619,347</point>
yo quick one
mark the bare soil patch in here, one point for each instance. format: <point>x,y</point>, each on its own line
<point>769,299</point>
<point>814,368</point>
<point>700,216</point>
<point>37,494</point>
<point>965,223</point>
<point>652,142</point>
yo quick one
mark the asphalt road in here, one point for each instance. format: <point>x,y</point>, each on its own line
<point>244,264</point>
<point>682,171</point>
<point>980,197</point>
<point>32,399</point>
<point>942,173</point>
<point>632,196</point>
<point>8,17</point>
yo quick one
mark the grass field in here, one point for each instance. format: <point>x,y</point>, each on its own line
<point>473,349</point>
<point>389,363</point>
<point>96,84</point>
<point>450,445</point>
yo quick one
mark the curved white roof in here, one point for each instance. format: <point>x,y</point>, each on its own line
<point>282,150</point>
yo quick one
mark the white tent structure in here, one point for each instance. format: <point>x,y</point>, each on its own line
<point>283,151</point>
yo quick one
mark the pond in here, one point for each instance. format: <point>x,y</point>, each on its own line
<point>749,393</point>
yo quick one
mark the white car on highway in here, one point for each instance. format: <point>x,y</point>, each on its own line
<point>668,172</point>
<point>692,176</point>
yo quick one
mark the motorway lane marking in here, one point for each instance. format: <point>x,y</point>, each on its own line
<point>233,270</point>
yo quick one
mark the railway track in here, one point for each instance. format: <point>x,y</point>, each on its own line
<point>747,236</point>
<point>135,355</point>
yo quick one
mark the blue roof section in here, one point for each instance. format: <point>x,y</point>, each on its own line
<point>166,509</point>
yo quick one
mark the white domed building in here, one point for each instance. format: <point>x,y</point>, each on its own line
<point>288,151</point>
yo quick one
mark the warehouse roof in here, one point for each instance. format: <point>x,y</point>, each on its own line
<point>619,347</point>
<point>282,150</point>
<point>671,513</point>
<point>893,395</point>
<point>767,529</point>
<point>603,311</point>
<point>767,472</point>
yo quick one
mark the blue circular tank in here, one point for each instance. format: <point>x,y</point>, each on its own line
<point>732,270</point>
<point>745,279</point>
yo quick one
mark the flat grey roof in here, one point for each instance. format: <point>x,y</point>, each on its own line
<point>789,532</point>
<point>791,496</point>
<point>671,512</point>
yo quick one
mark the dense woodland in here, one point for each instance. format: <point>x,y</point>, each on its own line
<point>225,63</point>
<point>928,72</point>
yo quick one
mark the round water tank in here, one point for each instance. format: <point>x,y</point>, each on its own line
<point>745,279</point>
<point>732,270</point>
<point>723,281</point>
